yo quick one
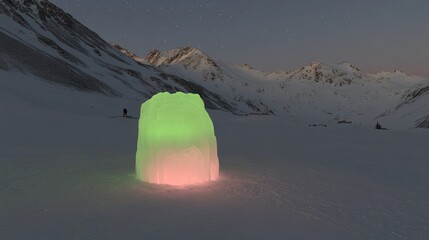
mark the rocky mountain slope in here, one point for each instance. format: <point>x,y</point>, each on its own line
<point>317,92</point>
<point>198,67</point>
<point>40,41</point>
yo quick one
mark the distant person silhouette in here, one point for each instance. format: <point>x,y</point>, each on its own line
<point>125,113</point>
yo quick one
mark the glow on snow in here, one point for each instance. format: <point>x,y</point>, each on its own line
<point>176,141</point>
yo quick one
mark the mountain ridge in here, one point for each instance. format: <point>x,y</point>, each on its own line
<point>43,42</point>
<point>315,92</point>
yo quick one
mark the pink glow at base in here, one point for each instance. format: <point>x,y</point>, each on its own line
<point>187,167</point>
<point>177,143</point>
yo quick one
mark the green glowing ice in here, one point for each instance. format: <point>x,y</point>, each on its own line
<point>176,141</point>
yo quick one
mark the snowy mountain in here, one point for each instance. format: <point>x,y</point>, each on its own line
<point>44,48</point>
<point>336,74</point>
<point>188,59</point>
<point>215,75</point>
<point>413,107</point>
<point>41,44</point>
<point>127,52</point>
<point>67,156</point>
<point>318,92</point>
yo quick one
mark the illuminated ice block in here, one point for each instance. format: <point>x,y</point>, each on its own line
<point>176,141</point>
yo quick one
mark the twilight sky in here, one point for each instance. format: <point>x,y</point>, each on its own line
<point>270,34</point>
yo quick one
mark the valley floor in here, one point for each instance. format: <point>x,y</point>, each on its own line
<point>68,176</point>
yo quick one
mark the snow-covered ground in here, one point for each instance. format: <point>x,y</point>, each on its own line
<point>67,172</point>
<point>67,157</point>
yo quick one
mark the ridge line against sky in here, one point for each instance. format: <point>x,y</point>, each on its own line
<point>270,35</point>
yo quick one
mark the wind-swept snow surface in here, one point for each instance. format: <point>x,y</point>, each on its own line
<point>70,175</point>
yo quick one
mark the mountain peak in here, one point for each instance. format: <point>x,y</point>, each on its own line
<point>186,56</point>
<point>153,57</point>
<point>40,10</point>
<point>397,71</point>
<point>349,65</point>
<point>395,74</point>
<point>126,52</point>
<point>338,74</point>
